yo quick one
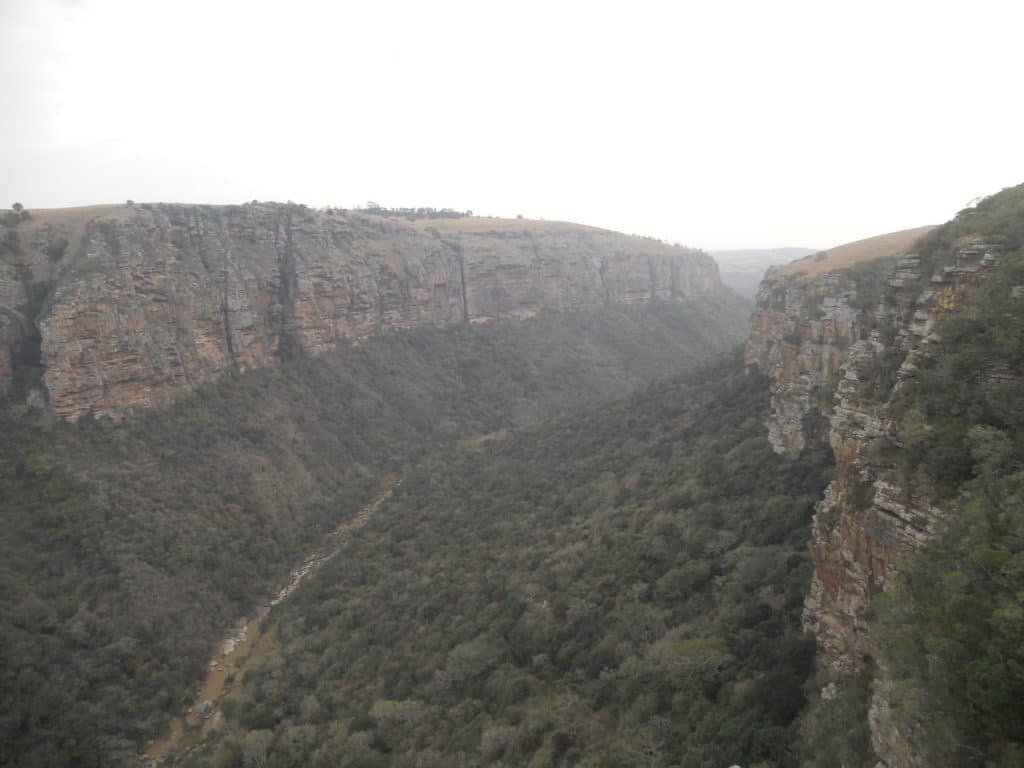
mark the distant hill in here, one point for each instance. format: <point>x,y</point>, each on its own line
<point>869,249</point>
<point>743,269</point>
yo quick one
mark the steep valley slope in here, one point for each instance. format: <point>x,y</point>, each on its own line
<point>653,585</point>
<point>913,367</point>
<point>620,586</point>
<point>554,664</point>
<point>580,567</point>
<point>156,483</point>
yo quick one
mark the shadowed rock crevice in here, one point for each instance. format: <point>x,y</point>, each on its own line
<point>288,346</point>
<point>25,342</point>
<point>229,336</point>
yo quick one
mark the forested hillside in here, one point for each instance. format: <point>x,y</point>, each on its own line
<point>622,586</point>
<point>919,543</point>
<point>128,549</point>
<point>951,640</point>
<point>597,553</point>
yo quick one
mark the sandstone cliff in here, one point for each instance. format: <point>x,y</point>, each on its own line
<point>839,345</point>
<point>136,305</point>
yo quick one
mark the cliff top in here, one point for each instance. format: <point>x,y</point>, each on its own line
<point>75,219</point>
<point>487,225</point>
<point>843,256</point>
<point>480,224</point>
<point>111,308</point>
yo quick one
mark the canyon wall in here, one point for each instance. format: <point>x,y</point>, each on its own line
<point>136,305</point>
<point>839,346</point>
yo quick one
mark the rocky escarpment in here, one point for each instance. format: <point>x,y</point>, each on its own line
<point>149,301</point>
<point>841,345</point>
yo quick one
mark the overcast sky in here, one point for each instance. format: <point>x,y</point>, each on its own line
<point>717,124</point>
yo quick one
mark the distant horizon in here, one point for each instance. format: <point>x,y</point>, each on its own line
<point>773,249</point>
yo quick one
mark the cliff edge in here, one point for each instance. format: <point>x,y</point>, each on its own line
<point>841,345</point>
<point>113,308</point>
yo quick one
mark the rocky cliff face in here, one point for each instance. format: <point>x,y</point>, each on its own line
<point>840,345</point>
<point>144,303</point>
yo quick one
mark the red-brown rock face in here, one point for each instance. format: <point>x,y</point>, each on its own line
<point>149,302</point>
<point>799,331</point>
<point>841,345</point>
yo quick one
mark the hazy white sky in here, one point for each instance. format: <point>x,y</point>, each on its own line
<point>717,124</point>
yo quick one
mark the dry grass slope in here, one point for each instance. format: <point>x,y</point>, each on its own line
<point>843,256</point>
<point>74,220</point>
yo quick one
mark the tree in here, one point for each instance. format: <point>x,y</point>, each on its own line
<point>17,207</point>
<point>643,750</point>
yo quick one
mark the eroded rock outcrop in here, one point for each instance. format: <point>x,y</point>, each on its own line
<point>149,302</point>
<point>841,345</point>
<point>800,330</point>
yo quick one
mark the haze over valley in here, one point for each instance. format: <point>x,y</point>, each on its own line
<point>559,455</point>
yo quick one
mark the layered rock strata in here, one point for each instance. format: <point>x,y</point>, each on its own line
<point>148,302</point>
<point>841,345</point>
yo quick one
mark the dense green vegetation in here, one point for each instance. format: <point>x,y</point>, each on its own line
<point>619,587</point>
<point>1000,217</point>
<point>950,640</point>
<point>127,549</point>
<point>834,731</point>
<point>953,638</point>
<point>583,582</point>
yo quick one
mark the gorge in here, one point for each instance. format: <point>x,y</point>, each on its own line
<point>615,541</point>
